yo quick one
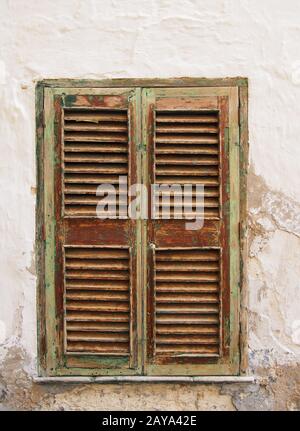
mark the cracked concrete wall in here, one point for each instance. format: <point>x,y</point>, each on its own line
<point>159,38</point>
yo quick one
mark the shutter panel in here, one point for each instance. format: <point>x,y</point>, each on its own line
<point>95,152</point>
<point>186,152</point>
<point>97,300</point>
<point>187,301</point>
<point>191,315</point>
<point>91,137</point>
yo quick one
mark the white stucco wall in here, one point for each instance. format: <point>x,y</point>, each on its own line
<point>258,39</point>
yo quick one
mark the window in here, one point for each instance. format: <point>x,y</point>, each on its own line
<point>123,288</point>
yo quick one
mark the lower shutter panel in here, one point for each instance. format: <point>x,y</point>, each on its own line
<point>97,300</point>
<point>187,302</point>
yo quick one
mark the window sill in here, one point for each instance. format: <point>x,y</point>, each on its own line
<point>147,379</point>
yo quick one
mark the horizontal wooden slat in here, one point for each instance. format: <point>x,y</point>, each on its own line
<point>83,147</point>
<point>105,264</point>
<point>213,213</point>
<point>95,158</point>
<point>97,296</point>
<point>93,115</point>
<point>98,275</point>
<point>185,193</point>
<point>77,168</point>
<point>186,149</point>
<point>187,277</point>
<point>91,179</point>
<point>186,159</point>
<point>79,210</point>
<point>186,339</point>
<point>113,306</point>
<point>94,200</point>
<point>189,319</point>
<point>187,329</point>
<point>186,287</point>
<point>97,336</point>
<point>94,137</point>
<point>90,211</point>
<point>185,139</point>
<point>187,255</point>
<point>175,211</point>
<point>211,203</point>
<point>187,170</point>
<point>82,326</point>
<point>75,126</point>
<point>187,128</point>
<point>112,285</point>
<point>185,205</point>
<point>185,117</point>
<point>91,189</point>
<point>187,266</point>
<point>169,298</point>
<point>95,253</point>
<point>183,308</point>
<point>206,181</point>
<point>162,348</point>
<point>92,316</point>
<point>89,347</point>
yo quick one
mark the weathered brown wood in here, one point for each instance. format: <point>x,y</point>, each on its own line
<point>95,148</point>
<point>82,126</point>
<point>95,275</point>
<point>145,82</point>
<point>85,108</point>
<point>186,121</point>
<point>96,116</point>
<point>179,168</point>
<point>172,233</point>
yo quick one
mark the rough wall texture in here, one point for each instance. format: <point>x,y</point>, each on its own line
<point>159,38</point>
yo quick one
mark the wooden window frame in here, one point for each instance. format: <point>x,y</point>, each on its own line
<point>238,213</point>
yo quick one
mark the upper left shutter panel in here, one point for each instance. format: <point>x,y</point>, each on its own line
<point>95,151</point>
<point>91,139</point>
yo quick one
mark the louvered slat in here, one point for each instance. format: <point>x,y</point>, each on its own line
<point>97,298</point>
<point>95,152</point>
<point>187,302</point>
<point>187,152</point>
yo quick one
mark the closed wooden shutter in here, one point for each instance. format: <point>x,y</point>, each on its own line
<point>191,317</point>
<point>91,139</point>
<point>152,296</point>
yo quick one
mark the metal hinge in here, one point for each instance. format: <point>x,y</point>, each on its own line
<point>152,246</point>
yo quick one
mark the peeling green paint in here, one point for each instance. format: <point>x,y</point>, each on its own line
<point>46,163</point>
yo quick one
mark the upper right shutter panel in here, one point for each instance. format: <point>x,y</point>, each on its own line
<point>193,275</point>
